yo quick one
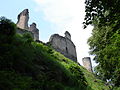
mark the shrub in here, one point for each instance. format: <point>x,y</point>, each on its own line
<point>7,30</point>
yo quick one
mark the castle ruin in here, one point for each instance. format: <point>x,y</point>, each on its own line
<point>34,30</point>
<point>87,63</point>
<point>64,45</point>
<point>22,23</point>
<point>23,18</point>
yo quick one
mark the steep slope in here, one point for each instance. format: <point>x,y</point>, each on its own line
<point>29,65</point>
<point>39,67</point>
<point>90,80</point>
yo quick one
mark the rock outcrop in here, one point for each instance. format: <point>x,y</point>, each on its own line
<point>87,63</point>
<point>64,45</point>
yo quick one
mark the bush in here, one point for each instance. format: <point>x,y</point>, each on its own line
<point>7,30</point>
<point>9,80</point>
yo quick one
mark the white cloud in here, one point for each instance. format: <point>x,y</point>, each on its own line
<point>67,15</point>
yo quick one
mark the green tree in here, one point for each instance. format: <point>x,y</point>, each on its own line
<point>7,30</point>
<point>104,43</point>
<point>104,10</point>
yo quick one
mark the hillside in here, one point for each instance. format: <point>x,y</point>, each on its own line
<point>29,65</point>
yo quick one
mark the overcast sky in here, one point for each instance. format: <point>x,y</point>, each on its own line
<point>53,16</point>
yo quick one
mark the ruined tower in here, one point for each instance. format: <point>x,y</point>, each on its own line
<point>23,18</point>
<point>87,63</point>
<point>22,23</point>
<point>34,30</point>
<point>67,35</point>
<point>64,45</point>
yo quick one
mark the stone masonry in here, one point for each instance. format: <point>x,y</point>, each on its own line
<point>22,23</point>
<point>34,30</point>
<point>64,45</point>
<point>23,18</point>
<point>87,63</point>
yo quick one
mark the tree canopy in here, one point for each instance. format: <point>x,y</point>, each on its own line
<point>106,11</point>
<point>104,43</point>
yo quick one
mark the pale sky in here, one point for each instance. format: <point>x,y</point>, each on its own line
<point>54,16</point>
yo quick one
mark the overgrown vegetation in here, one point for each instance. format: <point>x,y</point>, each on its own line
<point>104,43</point>
<point>28,65</point>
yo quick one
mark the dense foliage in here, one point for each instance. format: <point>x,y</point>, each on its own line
<point>104,43</point>
<point>25,64</point>
<point>106,11</point>
<point>28,65</point>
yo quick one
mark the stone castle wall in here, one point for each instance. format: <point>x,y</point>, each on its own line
<point>64,45</point>
<point>34,30</point>
<point>23,18</point>
<point>87,63</point>
<point>21,31</point>
<point>22,23</point>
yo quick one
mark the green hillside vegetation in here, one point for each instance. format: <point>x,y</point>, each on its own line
<point>29,65</point>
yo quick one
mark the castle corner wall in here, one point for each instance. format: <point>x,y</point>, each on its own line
<point>64,45</point>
